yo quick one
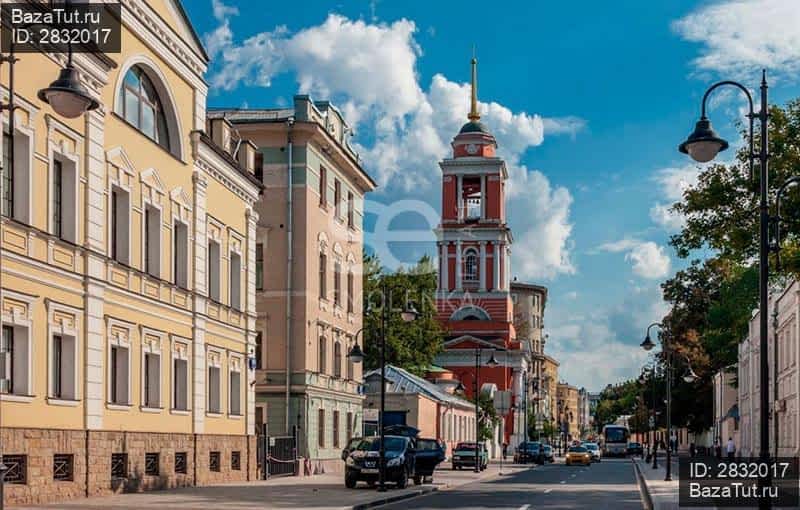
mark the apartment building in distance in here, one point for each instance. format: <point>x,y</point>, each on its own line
<point>128,270</point>
<point>309,298</point>
<point>568,411</point>
<point>529,304</point>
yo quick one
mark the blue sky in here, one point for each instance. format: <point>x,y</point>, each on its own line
<point>588,104</point>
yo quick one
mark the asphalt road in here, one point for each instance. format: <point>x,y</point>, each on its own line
<point>608,484</point>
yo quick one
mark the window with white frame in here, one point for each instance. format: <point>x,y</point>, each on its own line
<point>16,176</point>
<point>323,276</point>
<point>337,359</point>
<point>214,383</point>
<point>322,354</point>
<point>350,291</point>
<point>235,387</point>
<point>15,360</point>
<point>151,374</point>
<point>235,268</point>
<point>180,254</point>
<point>337,283</point>
<point>213,270</point>
<point>119,225</point>
<point>180,377</point>
<point>471,265</point>
<point>259,266</point>
<point>152,241</point>
<point>63,366</point>
<point>63,199</point>
<point>119,374</point>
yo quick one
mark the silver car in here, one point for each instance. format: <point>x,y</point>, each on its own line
<point>594,449</point>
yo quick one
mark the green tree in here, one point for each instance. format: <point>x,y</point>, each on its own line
<point>409,345</point>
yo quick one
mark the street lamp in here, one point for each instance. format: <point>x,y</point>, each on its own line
<point>704,146</point>
<point>491,362</point>
<point>408,314</point>
<point>648,345</point>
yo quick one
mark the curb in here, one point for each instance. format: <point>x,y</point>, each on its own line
<point>647,500</point>
<point>394,499</point>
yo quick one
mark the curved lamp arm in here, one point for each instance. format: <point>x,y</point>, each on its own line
<point>751,115</point>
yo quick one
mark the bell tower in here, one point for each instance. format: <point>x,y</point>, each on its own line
<point>474,246</point>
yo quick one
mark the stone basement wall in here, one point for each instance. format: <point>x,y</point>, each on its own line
<point>40,445</point>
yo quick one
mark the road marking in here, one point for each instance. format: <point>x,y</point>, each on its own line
<point>563,481</point>
<point>547,491</point>
<point>572,475</point>
<point>524,507</point>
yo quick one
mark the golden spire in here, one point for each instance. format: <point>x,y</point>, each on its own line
<point>474,116</point>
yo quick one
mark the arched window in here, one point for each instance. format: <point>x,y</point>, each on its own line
<point>337,359</point>
<point>322,354</point>
<point>138,103</point>
<point>471,265</point>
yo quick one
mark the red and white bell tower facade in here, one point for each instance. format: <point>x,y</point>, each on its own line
<point>474,247</point>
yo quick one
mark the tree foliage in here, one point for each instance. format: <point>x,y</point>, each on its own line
<point>409,345</point>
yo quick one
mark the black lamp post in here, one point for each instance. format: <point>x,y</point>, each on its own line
<point>703,145</point>
<point>408,314</point>
<point>492,362</point>
<point>68,98</point>
<point>648,345</point>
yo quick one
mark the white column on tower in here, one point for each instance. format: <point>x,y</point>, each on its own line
<point>482,267</point>
<point>445,286</point>
<point>496,260</point>
<point>458,265</point>
<point>459,198</point>
<point>483,197</point>
<point>507,260</point>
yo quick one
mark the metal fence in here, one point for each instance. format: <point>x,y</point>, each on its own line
<point>277,455</point>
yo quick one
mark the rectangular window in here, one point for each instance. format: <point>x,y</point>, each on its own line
<point>337,284</point>
<point>323,276</point>
<point>62,467</point>
<point>213,270</point>
<point>259,166</point>
<point>236,461</point>
<point>152,380</point>
<point>119,465</point>
<point>235,407</point>
<point>180,254</point>
<point>58,213</point>
<point>350,290</point>
<point>7,360</point>
<point>63,367</point>
<point>213,461</point>
<point>119,228</point>
<point>180,374</point>
<point>321,428</point>
<point>8,177</point>
<point>118,378</point>
<point>16,469</point>
<point>152,241</point>
<point>336,429</point>
<point>349,426</point>
<point>323,187</point>
<point>213,390</point>
<point>337,198</point>
<point>350,209</point>
<point>236,281</point>
<point>259,266</point>
<point>180,463</point>
<point>151,464</point>
<point>259,351</point>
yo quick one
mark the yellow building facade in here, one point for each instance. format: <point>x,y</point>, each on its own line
<point>128,275</point>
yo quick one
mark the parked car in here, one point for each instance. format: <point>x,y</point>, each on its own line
<point>362,463</point>
<point>429,453</point>
<point>529,451</point>
<point>635,448</point>
<point>549,455</point>
<point>578,455</point>
<point>350,446</point>
<point>594,450</point>
<point>464,456</point>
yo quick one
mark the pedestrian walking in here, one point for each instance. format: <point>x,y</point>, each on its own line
<point>718,448</point>
<point>730,448</point>
<point>505,450</point>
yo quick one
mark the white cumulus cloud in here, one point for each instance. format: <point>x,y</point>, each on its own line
<point>672,182</point>
<point>740,37</point>
<point>647,259</point>
<point>404,129</point>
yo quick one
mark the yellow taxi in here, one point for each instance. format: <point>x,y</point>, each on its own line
<point>578,455</point>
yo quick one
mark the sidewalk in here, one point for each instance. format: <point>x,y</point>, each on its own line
<point>658,494</point>
<point>320,491</point>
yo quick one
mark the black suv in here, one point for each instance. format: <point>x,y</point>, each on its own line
<point>363,461</point>
<point>529,451</point>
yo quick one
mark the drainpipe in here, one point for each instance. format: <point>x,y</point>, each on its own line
<point>289,264</point>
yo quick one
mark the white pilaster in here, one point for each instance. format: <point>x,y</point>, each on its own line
<point>483,197</point>
<point>496,271</point>
<point>252,222</point>
<point>507,264</point>
<point>199,323</point>
<point>482,267</point>
<point>445,286</point>
<point>458,284</point>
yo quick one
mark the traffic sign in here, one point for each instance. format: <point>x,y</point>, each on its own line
<point>502,402</point>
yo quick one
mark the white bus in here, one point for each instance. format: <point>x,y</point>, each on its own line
<point>615,440</point>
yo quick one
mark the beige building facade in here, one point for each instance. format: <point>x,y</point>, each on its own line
<point>128,244</point>
<point>568,410</point>
<point>309,297</point>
